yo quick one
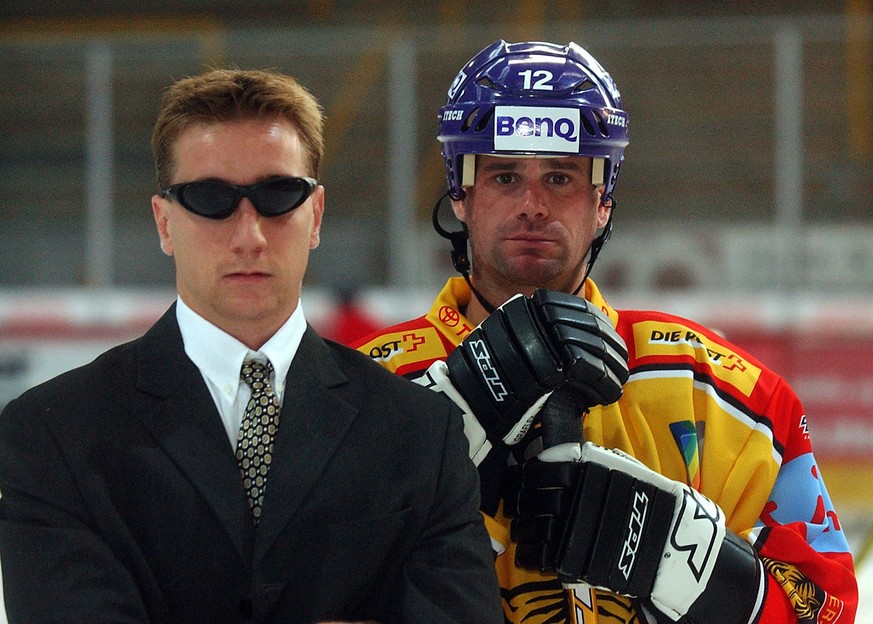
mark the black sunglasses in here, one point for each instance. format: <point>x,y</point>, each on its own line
<point>218,200</point>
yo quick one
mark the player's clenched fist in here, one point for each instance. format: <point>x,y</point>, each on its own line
<point>530,346</point>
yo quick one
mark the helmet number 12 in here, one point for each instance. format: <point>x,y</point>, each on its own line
<point>538,79</point>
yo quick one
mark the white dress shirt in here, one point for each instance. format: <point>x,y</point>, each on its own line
<point>220,356</point>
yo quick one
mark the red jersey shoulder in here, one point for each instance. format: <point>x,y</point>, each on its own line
<point>406,347</point>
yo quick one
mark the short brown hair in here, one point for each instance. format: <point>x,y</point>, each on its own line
<point>221,95</point>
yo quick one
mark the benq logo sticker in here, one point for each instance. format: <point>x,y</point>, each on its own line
<point>535,129</point>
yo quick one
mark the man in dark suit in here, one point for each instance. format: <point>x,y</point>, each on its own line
<point>230,465</point>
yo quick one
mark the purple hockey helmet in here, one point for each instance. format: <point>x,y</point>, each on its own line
<point>532,99</point>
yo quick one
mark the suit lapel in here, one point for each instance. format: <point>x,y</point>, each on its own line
<point>187,425</point>
<point>313,423</point>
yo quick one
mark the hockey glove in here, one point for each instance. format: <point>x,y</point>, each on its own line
<point>609,521</point>
<point>506,368</point>
<point>592,352</point>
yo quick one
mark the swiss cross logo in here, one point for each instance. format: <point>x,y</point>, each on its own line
<point>732,362</point>
<point>411,341</point>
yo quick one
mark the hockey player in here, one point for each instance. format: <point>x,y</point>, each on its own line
<point>692,494</point>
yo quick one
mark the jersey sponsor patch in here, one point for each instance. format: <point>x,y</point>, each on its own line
<point>405,347</point>
<point>653,338</point>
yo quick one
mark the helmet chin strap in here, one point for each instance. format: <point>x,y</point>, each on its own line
<point>599,240</point>
<point>461,259</point>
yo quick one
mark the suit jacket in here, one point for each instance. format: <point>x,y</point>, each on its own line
<point>122,500</point>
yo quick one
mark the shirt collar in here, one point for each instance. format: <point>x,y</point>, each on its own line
<point>219,356</point>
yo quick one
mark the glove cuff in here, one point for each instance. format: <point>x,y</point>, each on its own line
<point>735,591</point>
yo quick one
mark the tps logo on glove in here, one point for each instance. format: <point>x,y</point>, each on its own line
<point>486,367</point>
<point>636,523</point>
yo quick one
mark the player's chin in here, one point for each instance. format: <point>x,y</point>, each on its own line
<point>539,271</point>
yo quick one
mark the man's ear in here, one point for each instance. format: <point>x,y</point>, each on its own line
<point>160,209</point>
<point>604,208</point>
<point>317,214</point>
<point>459,207</point>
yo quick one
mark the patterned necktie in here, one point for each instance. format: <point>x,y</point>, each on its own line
<point>254,447</point>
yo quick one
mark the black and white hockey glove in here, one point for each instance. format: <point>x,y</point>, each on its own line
<point>605,519</point>
<point>504,371</point>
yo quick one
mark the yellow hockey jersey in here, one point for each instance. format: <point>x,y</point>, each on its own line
<point>696,409</point>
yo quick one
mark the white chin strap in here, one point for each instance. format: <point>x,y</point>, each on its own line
<point>468,170</point>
